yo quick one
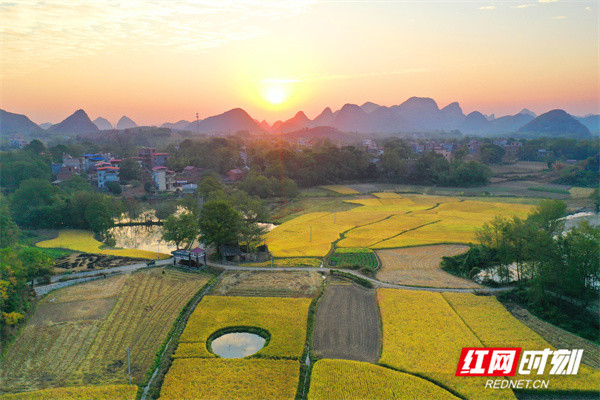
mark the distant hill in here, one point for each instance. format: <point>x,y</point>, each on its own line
<point>46,125</point>
<point>126,123</point>
<point>77,123</point>
<point>298,121</point>
<point>102,124</point>
<point>369,107</point>
<point>475,122</point>
<point>528,112</point>
<point>325,118</point>
<point>509,123</point>
<point>11,123</point>
<point>228,122</point>
<point>555,123</point>
<point>592,122</point>
<point>177,126</point>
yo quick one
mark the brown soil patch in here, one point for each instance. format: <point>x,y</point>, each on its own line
<point>268,284</point>
<point>77,262</point>
<point>420,266</point>
<point>347,324</point>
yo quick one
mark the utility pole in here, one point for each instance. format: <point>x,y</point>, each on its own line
<point>197,124</point>
<point>128,366</point>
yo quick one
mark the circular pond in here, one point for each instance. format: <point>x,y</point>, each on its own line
<point>237,344</point>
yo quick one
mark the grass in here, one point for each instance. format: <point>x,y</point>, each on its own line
<point>381,223</point>
<point>195,378</point>
<point>354,380</point>
<point>355,258</point>
<point>548,189</point>
<point>83,241</point>
<point>284,318</point>
<point>79,335</point>
<point>113,392</point>
<point>580,192</point>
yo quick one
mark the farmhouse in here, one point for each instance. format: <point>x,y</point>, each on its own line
<point>193,258</point>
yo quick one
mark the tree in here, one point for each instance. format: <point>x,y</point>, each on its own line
<point>219,224</point>
<point>9,231</point>
<point>491,153</point>
<point>180,229</point>
<point>114,188</point>
<point>148,187</point>
<point>207,185</point>
<point>252,212</point>
<point>36,263</point>
<point>547,215</point>
<point>129,169</point>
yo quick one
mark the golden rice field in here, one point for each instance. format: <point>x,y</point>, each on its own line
<point>420,266</point>
<point>243,379</point>
<point>496,327</point>
<point>339,189</point>
<point>107,392</point>
<point>83,241</point>
<point>388,222</point>
<point>414,321</point>
<point>355,380</point>
<point>78,335</point>
<point>284,318</point>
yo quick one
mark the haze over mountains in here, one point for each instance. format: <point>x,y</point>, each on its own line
<point>417,114</point>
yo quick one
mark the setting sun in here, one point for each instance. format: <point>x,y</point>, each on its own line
<point>275,94</point>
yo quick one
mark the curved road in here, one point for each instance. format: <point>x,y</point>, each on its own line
<point>86,276</point>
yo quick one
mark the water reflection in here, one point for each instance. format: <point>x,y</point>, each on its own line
<point>237,345</point>
<point>141,238</point>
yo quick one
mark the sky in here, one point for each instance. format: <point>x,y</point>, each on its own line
<point>165,60</point>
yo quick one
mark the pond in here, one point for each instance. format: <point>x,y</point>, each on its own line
<point>237,344</point>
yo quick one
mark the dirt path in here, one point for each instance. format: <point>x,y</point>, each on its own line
<point>347,323</point>
<point>556,336</point>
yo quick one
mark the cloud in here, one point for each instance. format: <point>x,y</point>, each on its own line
<point>524,6</point>
<point>588,8</point>
<point>559,17</point>
<point>547,1</point>
<point>487,8</point>
<point>36,33</point>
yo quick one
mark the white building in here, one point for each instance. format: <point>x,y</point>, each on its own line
<point>164,180</point>
<point>107,174</point>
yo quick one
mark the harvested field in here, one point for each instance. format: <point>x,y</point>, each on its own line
<point>77,262</point>
<point>49,348</point>
<point>420,266</point>
<point>268,284</point>
<point>79,334</point>
<point>347,323</point>
<point>112,392</point>
<point>141,319</point>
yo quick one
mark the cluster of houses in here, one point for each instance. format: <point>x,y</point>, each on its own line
<point>101,168</point>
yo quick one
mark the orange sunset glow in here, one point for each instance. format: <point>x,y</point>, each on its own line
<point>159,63</point>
